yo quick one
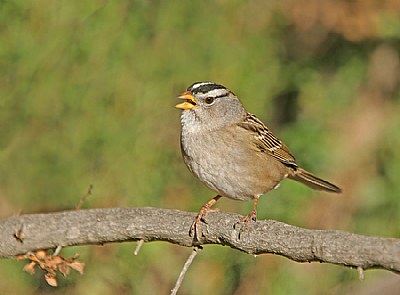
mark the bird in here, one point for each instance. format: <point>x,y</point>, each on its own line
<point>232,152</point>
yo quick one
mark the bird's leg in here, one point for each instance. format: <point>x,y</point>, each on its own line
<point>194,228</point>
<point>253,214</point>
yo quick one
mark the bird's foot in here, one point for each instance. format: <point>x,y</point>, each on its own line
<point>251,216</point>
<point>195,229</point>
<point>244,222</point>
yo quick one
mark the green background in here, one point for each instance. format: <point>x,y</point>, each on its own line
<point>87,95</point>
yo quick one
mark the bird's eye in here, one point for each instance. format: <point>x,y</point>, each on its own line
<point>209,100</point>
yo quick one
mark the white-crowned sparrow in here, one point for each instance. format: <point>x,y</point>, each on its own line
<point>232,152</point>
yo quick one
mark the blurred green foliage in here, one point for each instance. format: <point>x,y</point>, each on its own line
<point>87,91</point>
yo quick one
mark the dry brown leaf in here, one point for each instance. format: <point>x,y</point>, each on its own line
<point>53,261</point>
<point>30,267</point>
<point>20,257</point>
<point>77,265</point>
<point>64,269</point>
<point>51,264</point>
<point>51,280</point>
<point>40,254</point>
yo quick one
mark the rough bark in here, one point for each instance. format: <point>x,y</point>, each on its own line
<point>24,233</point>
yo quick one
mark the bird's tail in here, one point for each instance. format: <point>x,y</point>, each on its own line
<point>313,181</point>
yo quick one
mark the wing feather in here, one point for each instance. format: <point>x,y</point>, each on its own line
<point>265,141</point>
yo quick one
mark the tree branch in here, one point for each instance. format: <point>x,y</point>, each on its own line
<point>20,234</point>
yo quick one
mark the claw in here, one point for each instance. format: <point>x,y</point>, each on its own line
<point>252,216</point>
<point>194,230</point>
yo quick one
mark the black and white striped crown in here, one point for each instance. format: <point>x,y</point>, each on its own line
<point>204,87</point>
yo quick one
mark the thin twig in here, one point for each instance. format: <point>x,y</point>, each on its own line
<point>83,198</point>
<point>57,250</point>
<point>360,273</point>
<point>138,246</point>
<point>184,270</point>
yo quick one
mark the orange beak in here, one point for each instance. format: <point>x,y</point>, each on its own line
<point>190,102</point>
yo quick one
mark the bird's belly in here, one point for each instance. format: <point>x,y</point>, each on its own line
<point>234,171</point>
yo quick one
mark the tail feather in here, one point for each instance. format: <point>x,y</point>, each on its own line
<point>313,181</point>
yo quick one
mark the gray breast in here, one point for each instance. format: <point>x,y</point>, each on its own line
<point>226,163</point>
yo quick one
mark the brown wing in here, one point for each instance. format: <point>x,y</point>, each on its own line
<point>266,141</point>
